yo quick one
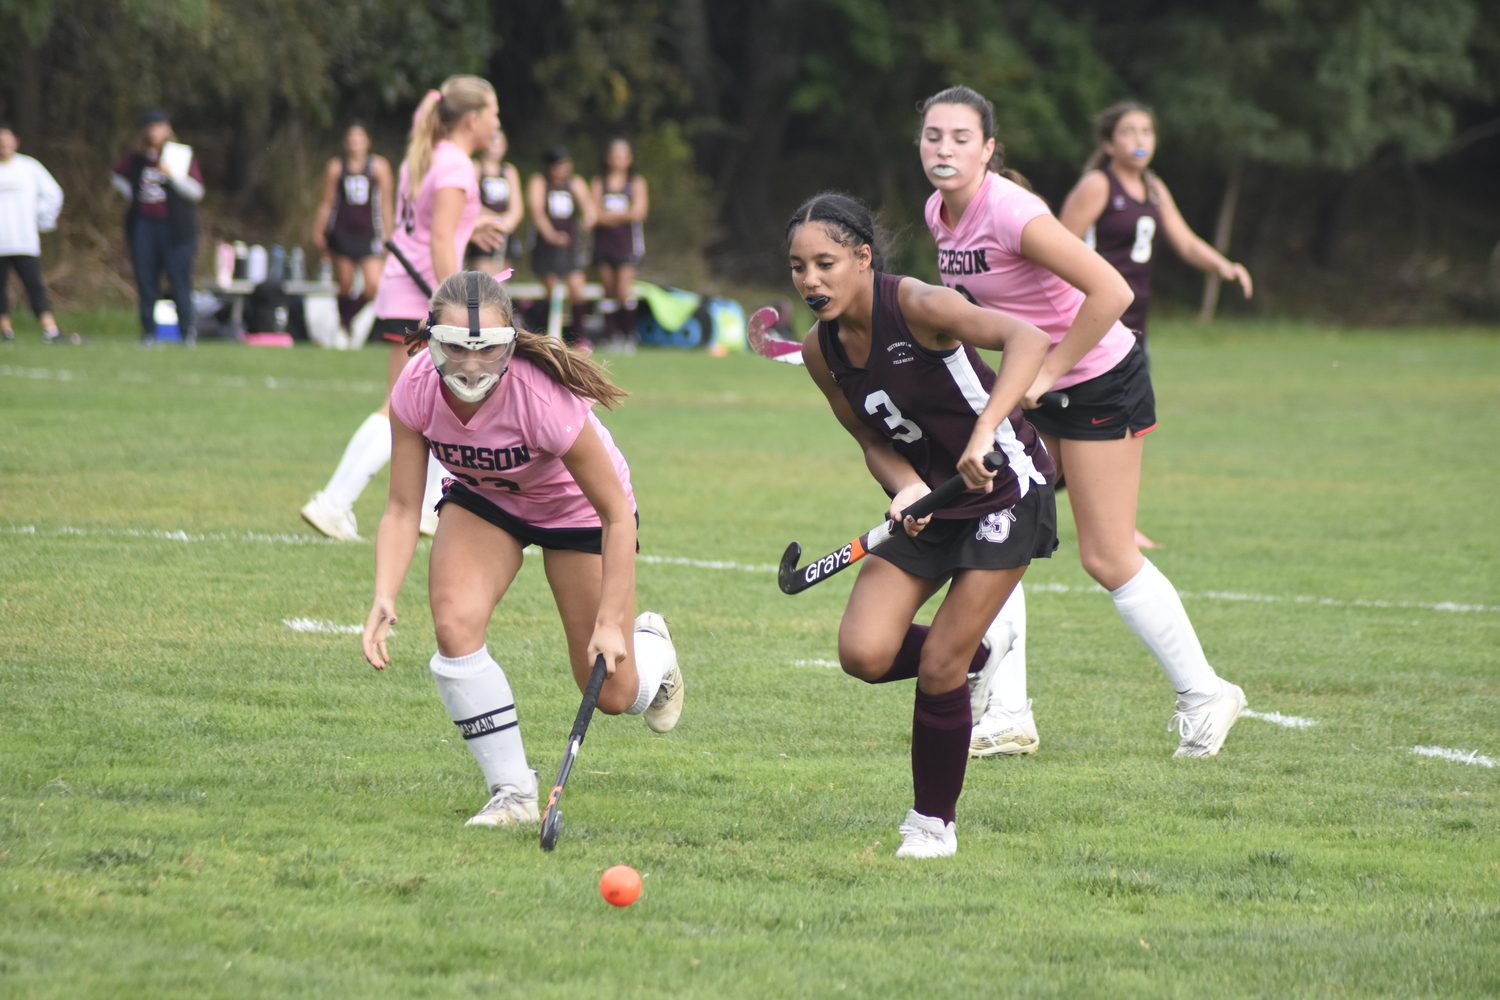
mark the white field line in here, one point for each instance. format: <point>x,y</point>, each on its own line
<point>313,625</point>
<point>222,381</point>
<point>1290,721</point>
<point>1457,756</point>
<point>815,663</point>
<point>1037,588</point>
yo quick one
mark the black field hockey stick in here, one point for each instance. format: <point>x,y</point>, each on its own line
<point>552,818</point>
<point>1057,399</point>
<point>415,274</point>
<point>794,581</point>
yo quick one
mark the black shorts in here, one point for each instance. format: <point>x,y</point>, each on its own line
<point>555,260</point>
<point>390,331</point>
<point>574,539</point>
<point>1004,539</point>
<point>1108,406</point>
<point>353,247</point>
<point>606,259</point>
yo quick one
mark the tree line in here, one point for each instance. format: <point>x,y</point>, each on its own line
<point>1284,123</point>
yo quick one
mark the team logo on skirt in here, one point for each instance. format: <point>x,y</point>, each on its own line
<point>996,527</point>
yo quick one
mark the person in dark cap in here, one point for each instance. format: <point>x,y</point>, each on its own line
<point>164,184</point>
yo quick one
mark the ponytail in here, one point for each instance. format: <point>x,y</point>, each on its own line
<point>439,111</point>
<point>986,112</point>
<point>1104,130</point>
<point>578,374</point>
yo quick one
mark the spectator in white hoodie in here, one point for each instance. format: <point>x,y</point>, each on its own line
<point>29,202</point>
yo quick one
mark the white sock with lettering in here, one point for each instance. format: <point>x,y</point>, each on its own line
<point>477,696</point>
<point>1150,606</point>
<point>367,452</point>
<point>433,492</point>
<point>1008,689</point>
<point>654,656</point>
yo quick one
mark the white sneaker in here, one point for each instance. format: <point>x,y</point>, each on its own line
<point>335,522</point>
<point>429,523</point>
<point>509,805</point>
<point>1002,732</point>
<point>926,837</point>
<point>662,714</point>
<point>1203,728</point>
<point>997,639</point>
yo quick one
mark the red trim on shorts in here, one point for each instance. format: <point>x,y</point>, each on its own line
<point>1142,433</point>
<point>396,338</point>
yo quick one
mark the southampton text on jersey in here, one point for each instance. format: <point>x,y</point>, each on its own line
<point>963,262</point>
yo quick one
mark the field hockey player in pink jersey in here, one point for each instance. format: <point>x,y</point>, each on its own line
<point>1001,247</point>
<point>508,414</point>
<point>437,216</point>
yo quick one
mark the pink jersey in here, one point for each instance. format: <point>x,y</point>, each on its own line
<point>511,451</point>
<point>982,258</point>
<point>399,297</point>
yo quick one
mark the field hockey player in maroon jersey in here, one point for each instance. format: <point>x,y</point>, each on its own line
<point>1121,209</point>
<point>355,213</point>
<point>1000,245</point>
<point>895,357</point>
<point>500,197</point>
<point>619,241</point>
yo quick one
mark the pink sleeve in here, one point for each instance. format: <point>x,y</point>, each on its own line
<point>454,169</point>
<point>558,415</point>
<point>1009,214</point>
<point>404,396</point>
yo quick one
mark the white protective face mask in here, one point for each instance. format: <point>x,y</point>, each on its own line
<point>455,352</point>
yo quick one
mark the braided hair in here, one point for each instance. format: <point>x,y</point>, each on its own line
<point>845,219</point>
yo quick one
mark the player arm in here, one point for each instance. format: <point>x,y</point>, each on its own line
<point>325,206</point>
<point>511,220</point>
<point>1044,241</point>
<point>536,203</point>
<point>396,540</point>
<point>586,204</point>
<point>893,472</point>
<point>1191,247</point>
<point>936,308</point>
<point>640,200</point>
<point>1085,203</point>
<point>386,181</point>
<point>447,208</point>
<point>588,461</point>
<point>49,199</point>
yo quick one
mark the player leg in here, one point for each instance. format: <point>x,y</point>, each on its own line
<point>1103,480</point>
<point>6,330</point>
<point>942,715</point>
<point>579,304</point>
<point>625,295</point>
<point>609,306</point>
<point>343,273</point>
<point>373,267</point>
<point>1007,725</point>
<point>146,251</point>
<point>649,682</point>
<point>473,564</point>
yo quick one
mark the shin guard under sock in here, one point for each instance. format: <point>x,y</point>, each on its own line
<point>1150,606</point>
<point>1008,689</point>
<point>653,658</point>
<point>940,726</point>
<point>367,452</point>
<point>909,657</point>
<point>477,696</point>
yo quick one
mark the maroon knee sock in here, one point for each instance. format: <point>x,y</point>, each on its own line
<point>580,310</point>
<point>628,318</point>
<point>348,306</point>
<point>940,725</point>
<point>909,657</point>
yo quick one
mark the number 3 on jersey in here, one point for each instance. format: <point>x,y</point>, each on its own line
<point>878,404</point>
<point>1145,232</point>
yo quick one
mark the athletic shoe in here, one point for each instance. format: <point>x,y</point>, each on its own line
<point>1001,732</point>
<point>1142,542</point>
<point>509,805</point>
<point>335,522</point>
<point>926,837</point>
<point>9,335</point>
<point>1203,728</point>
<point>997,640</point>
<point>665,709</point>
<point>429,523</point>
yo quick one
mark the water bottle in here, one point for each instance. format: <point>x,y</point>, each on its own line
<point>256,264</point>
<point>276,270</point>
<point>241,260</point>
<point>325,272</point>
<point>298,265</point>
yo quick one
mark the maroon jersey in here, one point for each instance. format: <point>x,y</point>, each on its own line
<point>495,192</point>
<point>925,403</point>
<point>353,216</point>
<point>623,243</point>
<point>1126,236</point>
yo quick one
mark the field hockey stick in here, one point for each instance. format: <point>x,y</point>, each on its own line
<point>792,580</point>
<point>415,274</point>
<point>1057,399</point>
<point>552,818</point>
<point>767,344</point>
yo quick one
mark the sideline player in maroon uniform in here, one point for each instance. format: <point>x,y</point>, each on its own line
<point>499,197</point>
<point>896,360</point>
<point>562,209</point>
<point>1121,209</point>
<point>998,242</point>
<point>359,194</point>
<point>619,243</point>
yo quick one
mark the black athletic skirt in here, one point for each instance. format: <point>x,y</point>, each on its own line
<point>1003,539</point>
<point>353,247</point>
<point>390,331</point>
<point>1105,407</point>
<point>574,539</point>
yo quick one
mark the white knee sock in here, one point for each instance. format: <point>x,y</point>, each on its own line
<point>478,699</point>
<point>368,450</point>
<point>654,656</point>
<point>1150,606</point>
<point>434,489</point>
<point>1008,689</point>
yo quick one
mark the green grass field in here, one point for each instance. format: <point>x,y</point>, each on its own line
<point>196,800</point>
